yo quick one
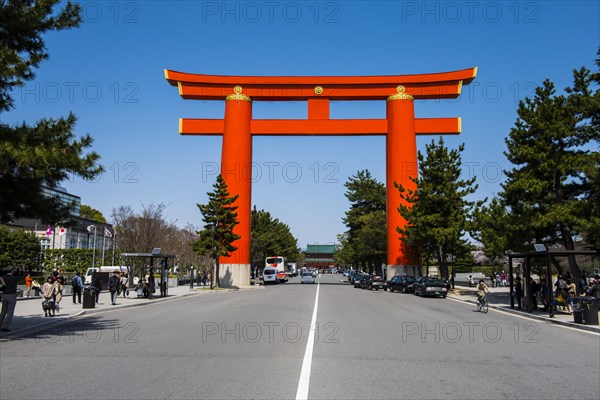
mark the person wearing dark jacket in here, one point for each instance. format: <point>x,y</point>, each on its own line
<point>518,291</point>
<point>97,284</point>
<point>9,300</point>
<point>114,283</point>
<point>534,288</point>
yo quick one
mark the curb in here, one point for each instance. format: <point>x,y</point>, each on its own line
<point>58,322</point>
<point>590,328</point>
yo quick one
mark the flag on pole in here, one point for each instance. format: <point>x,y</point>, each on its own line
<point>49,231</point>
<point>107,232</point>
<point>62,231</point>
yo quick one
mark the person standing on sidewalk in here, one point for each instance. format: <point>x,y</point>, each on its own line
<point>9,300</point>
<point>48,292</point>
<point>114,281</point>
<point>534,288</point>
<point>58,294</point>
<point>125,285</point>
<point>28,283</point>
<point>77,285</point>
<point>518,291</point>
<point>97,284</point>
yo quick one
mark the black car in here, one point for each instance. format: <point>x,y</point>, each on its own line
<point>430,286</point>
<point>358,279</point>
<point>372,282</point>
<point>401,283</point>
<point>353,275</point>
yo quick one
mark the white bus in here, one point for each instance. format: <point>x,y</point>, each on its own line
<point>278,263</point>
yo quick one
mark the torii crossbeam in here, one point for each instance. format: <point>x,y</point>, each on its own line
<point>400,128</point>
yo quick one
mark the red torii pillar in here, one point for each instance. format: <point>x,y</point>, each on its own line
<point>236,169</point>
<point>400,128</point>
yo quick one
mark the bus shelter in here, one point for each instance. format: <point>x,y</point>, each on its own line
<point>543,253</point>
<point>163,267</point>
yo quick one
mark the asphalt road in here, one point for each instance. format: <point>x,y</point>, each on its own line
<point>253,345</point>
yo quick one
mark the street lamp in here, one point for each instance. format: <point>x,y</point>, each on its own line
<point>212,275</point>
<point>89,228</point>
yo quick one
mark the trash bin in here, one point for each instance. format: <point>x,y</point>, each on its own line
<point>89,297</point>
<point>578,315</point>
<point>590,310</point>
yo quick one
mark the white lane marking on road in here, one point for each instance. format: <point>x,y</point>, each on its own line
<point>304,381</point>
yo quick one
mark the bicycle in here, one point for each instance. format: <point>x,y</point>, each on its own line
<point>482,305</point>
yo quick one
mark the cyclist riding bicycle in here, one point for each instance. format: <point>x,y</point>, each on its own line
<point>482,289</point>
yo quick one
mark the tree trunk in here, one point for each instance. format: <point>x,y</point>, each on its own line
<point>576,272</point>
<point>216,277</point>
<point>443,264</point>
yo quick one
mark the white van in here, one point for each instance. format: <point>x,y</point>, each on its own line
<point>110,268</point>
<point>270,275</point>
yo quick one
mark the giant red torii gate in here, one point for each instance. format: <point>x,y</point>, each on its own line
<point>400,128</point>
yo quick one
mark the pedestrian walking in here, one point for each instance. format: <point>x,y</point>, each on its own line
<point>493,278</point>
<point>114,282</point>
<point>9,300</point>
<point>28,283</point>
<point>48,292</point>
<point>77,285</point>
<point>503,279</point>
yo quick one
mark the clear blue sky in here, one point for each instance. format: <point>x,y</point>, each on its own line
<point>109,72</point>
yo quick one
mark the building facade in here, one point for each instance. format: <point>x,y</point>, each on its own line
<point>319,256</point>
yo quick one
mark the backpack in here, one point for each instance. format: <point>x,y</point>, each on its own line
<point>74,282</point>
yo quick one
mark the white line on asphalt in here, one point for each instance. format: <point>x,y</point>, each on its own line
<point>304,381</point>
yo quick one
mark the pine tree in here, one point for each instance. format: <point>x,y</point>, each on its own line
<point>437,213</point>
<point>549,191</point>
<point>220,217</point>
<point>270,237</point>
<point>47,152</point>
<point>366,240</point>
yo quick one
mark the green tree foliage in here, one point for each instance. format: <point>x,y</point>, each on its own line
<point>73,260</point>
<point>438,212</point>
<point>18,249</point>
<point>551,191</point>
<point>91,213</point>
<point>365,242</point>
<point>493,228</point>
<point>47,152</point>
<point>270,237</point>
<point>220,217</point>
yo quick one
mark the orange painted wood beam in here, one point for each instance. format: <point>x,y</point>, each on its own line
<point>443,85</point>
<point>466,75</point>
<point>320,127</point>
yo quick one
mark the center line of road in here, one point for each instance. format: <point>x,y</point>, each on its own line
<point>304,381</point>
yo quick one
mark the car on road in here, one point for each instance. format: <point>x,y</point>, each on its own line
<point>358,278</point>
<point>372,282</point>
<point>353,275</point>
<point>307,277</point>
<point>401,283</point>
<point>430,286</point>
<point>281,277</point>
<point>270,275</point>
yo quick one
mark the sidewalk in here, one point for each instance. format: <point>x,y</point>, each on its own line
<point>29,314</point>
<point>499,298</point>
